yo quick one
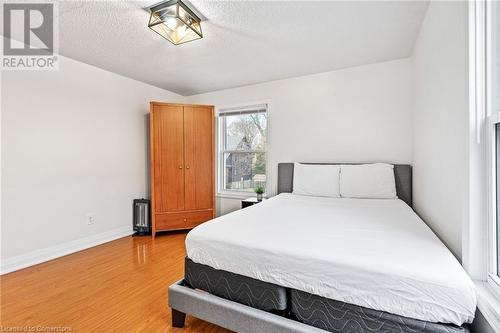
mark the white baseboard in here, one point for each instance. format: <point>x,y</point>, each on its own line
<point>53,252</point>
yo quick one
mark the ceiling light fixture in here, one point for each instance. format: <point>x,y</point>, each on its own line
<point>175,22</point>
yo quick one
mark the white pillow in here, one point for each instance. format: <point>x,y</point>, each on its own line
<point>316,180</point>
<point>374,181</point>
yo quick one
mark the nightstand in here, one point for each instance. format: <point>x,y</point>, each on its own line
<point>249,202</point>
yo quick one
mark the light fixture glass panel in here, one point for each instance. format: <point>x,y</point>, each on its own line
<point>184,15</point>
<point>170,11</point>
<point>188,18</point>
<point>196,26</point>
<point>174,21</point>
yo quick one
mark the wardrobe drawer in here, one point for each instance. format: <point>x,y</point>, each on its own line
<point>182,220</point>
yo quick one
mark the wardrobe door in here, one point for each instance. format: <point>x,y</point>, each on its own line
<point>199,155</point>
<point>168,159</point>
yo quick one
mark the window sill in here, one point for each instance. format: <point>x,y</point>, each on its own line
<point>235,195</point>
<point>489,304</point>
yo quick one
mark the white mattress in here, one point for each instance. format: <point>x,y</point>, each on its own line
<point>375,253</point>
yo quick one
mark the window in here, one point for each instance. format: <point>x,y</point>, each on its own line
<point>492,110</point>
<point>496,245</point>
<point>493,107</point>
<point>242,148</point>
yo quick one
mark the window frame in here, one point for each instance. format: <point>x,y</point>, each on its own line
<point>491,229</point>
<point>221,144</point>
<point>479,250</point>
<point>492,118</point>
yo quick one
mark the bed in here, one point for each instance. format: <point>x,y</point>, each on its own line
<point>305,264</point>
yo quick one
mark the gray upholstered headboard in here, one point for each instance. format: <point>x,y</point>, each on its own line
<point>402,175</point>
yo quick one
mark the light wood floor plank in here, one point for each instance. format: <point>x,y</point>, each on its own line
<point>120,286</point>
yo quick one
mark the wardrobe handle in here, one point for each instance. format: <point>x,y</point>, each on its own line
<point>187,166</point>
<point>180,166</point>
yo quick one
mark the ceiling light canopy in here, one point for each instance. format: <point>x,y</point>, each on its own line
<point>174,21</point>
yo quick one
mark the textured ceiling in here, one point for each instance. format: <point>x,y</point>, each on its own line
<point>244,42</point>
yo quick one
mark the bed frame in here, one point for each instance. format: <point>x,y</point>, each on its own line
<point>184,299</point>
<point>244,304</point>
<point>228,314</point>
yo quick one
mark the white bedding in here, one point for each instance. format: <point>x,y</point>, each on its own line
<point>374,253</point>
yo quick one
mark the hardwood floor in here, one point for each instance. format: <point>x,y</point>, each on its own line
<point>120,286</point>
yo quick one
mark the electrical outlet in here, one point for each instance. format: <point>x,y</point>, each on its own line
<point>90,219</point>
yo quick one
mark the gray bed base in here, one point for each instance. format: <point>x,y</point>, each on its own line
<point>285,303</point>
<point>245,319</point>
<point>228,314</point>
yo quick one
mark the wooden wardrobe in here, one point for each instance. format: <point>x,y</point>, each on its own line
<point>182,165</point>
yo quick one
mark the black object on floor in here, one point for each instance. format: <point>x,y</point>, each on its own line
<point>142,217</point>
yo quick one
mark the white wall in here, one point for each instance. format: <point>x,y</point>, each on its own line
<point>440,122</point>
<point>441,127</point>
<point>356,114</point>
<point>76,138</point>
<point>73,142</point>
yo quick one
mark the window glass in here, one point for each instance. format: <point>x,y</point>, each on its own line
<point>244,171</point>
<point>493,96</point>
<point>243,149</point>
<point>495,56</point>
<point>246,132</point>
<point>497,176</point>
